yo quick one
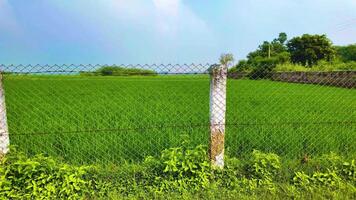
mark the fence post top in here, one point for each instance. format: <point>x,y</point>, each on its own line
<point>216,68</point>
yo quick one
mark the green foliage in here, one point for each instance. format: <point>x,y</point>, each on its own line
<point>263,67</point>
<point>306,53</point>
<point>120,71</point>
<point>307,50</point>
<point>320,67</point>
<point>262,169</point>
<point>184,168</point>
<point>283,57</point>
<point>346,53</point>
<point>318,179</point>
<point>327,171</point>
<point>335,66</point>
<point>269,49</point>
<point>282,38</point>
<point>262,61</point>
<point>336,163</point>
<point>263,166</point>
<point>348,170</point>
<point>41,178</point>
<point>241,66</point>
<point>260,67</point>
<point>182,172</point>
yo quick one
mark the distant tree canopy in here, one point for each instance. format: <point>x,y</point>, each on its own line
<point>346,53</point>
<point>269,49</point>
<point>309,49</point>
<point>120,71</point>
<point>267,54</point>
<point>306,50</point>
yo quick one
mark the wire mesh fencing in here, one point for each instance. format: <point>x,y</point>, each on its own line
<point>297,115</point>
<point>108,114</point>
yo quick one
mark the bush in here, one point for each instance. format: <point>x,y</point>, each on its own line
<point>241,66</point>
<point>347,53</point>
<point>321,66</point>
<point>262,67</point>
<point>41,177</point>
<point>182,171</point>
<point>120,71</point>
<point>261,72</point>
<point>182,168</point>
<point>263,166</point>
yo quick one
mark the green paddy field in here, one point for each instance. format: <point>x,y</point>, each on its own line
<point>91,119</point>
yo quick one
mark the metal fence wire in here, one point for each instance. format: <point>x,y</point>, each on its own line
<point>108,114</point>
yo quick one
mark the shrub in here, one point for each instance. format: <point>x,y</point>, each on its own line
<point>263,166</point>
<point>120,71</point>
<point>241,66</point>
<point>183,170</point>
<point>261,72</point>
<point>41,177</point>
<point>321,66</point>
<point>348,170</point>
<point>328,179</point>
<point>262,67</point>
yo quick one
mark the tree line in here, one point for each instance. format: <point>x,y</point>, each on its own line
<point>306,52</point>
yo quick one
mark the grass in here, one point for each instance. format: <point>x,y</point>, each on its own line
<point>111,119</point>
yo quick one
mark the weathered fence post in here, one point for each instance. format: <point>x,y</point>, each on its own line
<point>218,76</point>
<point>4,133</point>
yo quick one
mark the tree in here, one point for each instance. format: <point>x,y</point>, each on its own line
<point>346,53</point>
<point>309,49</point>
<point>282,38</point>
<point>269,49</point>
<point>265,57</point>
<point>241,66</point>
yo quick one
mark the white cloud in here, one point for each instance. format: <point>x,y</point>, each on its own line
<point>168,7</point>
<point>173,16</point>
<point>165,17</point>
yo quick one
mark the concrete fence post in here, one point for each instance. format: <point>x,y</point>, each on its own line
<point>4,132</point>
<point>218,77</point>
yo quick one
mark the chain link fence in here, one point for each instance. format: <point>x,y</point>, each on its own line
<point>110,114</point>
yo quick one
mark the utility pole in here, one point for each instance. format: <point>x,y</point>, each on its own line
<point>269,50</point>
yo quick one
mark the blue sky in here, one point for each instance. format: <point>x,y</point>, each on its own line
<point>160,31</point>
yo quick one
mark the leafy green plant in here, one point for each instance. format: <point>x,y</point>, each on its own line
<point>41,177</point>
<point>263,165</point>
<point>329,179</point>
<point>181,171</point>
<point>185,167</point>
<point>348,170</point>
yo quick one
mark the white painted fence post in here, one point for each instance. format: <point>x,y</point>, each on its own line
<point>4,132</point>
<point>218,76</point>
